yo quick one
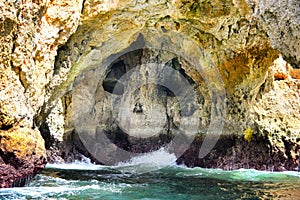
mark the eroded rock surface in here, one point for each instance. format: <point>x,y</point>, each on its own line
<point>276,111</point>
<point>22,152</point>
<point>235,46</point>
<point>31,32</point>
<point>233,41</point>
<point>281,20</point>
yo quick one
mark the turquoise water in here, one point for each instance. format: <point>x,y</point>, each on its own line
<point>143,181</point>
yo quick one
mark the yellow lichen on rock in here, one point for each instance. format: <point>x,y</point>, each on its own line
<point>22,155</point>
<point>248,134</point>
<point>23,142</point>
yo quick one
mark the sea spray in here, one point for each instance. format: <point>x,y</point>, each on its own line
<point>140,164</point>
<point>148,162</point>
<point>84,164</point>
<point>152,176</point>
<point>160,157</point>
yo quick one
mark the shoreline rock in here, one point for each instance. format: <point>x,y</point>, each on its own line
<point>31,32</point>
<point>22,156</point>
<point>45,48</point>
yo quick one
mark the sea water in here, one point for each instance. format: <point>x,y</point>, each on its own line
<point>155,177</point>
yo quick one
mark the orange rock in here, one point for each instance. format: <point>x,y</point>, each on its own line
<point>23,155</point>
<point>280,76</point>
<point>295,73</point>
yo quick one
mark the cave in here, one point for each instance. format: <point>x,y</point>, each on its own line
<point>215,83</point>
<point>139,104</point>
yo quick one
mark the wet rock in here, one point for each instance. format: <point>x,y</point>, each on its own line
<point>234,152</point>
<point>31,32</point>
<point>276,111</point>
<point>22,153</point>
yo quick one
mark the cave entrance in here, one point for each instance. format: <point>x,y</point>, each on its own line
<point>139,93</point>
<point>151,117</point>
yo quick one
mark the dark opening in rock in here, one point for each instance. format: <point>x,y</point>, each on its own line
<point>136,144</point>
<point>140,104</point>
<point>133,59</point>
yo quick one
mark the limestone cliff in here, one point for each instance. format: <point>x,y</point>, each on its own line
<point>30,34</point>
<point>63,64</point>
<point>281,21</point>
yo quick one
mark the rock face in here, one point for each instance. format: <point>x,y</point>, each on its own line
<point>69,67</point>
<point>276,111</point>
<point>234,47</point>
<point>282,22</point>
<point>22,154</point>
<point>30,34</point>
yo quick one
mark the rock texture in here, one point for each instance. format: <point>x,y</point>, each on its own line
<point>55,54</point>
<point>31,32</point>
<point>276,111</point>
<point>235,45</point>
<point>272,141</point>
<point>282,22</point>
<point>22,152</point>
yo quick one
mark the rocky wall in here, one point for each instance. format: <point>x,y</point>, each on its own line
<point>236,50</point>
<point>50,49</point>
<point>280,19</point>
<point>31,32</point>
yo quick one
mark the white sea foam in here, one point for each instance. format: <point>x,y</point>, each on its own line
<point>143,163</point>
<point>147,162</point>
<point>159,158</point>
<point>85,164</point>
<point>40,192</point>
<point>156,160</point>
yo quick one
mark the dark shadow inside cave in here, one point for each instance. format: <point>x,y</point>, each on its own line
<point>133,59</point>
<point>113,85</point>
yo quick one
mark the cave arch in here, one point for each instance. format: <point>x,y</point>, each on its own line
<point>106,68</point>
